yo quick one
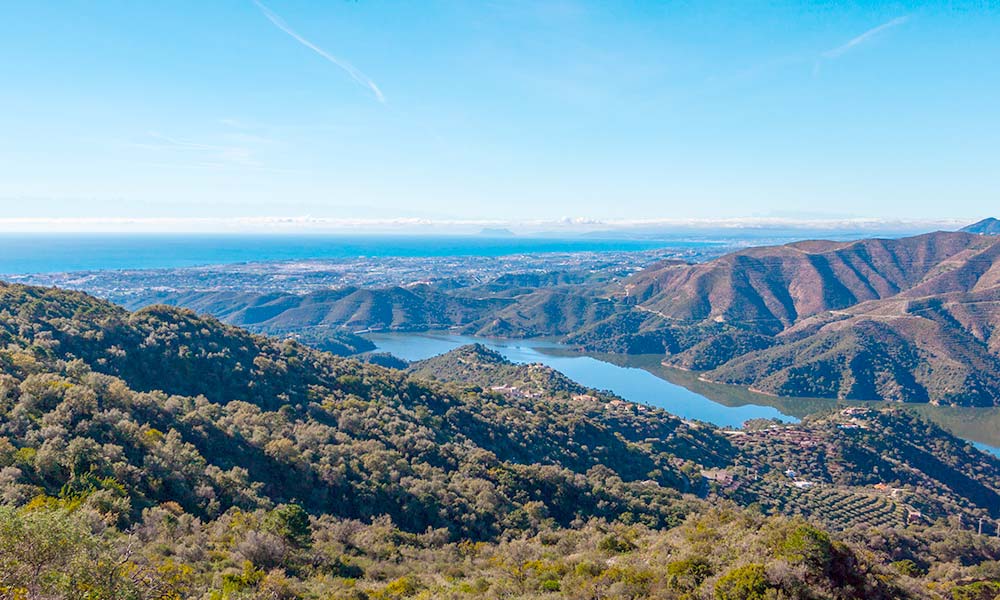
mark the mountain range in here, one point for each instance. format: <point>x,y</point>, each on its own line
<point>909,319</point>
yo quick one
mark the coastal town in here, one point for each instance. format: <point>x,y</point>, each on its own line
<point>304,276</point>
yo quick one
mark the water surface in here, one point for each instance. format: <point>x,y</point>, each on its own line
<point>629,382</point>
<point>58,253</point>
<point>644,380</point>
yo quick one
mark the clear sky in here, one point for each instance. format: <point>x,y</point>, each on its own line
<point>501,109</point>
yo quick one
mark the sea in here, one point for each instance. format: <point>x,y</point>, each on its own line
<point>58,253</point>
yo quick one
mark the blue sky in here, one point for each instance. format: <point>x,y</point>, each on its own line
<point>499,110</point>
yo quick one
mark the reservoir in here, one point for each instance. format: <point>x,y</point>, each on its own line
<point>644,380</point>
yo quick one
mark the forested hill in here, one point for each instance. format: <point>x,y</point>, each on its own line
<point>476,364</point>
<point>851,450</point>
<point>247,467</point>
<point>183,408</point>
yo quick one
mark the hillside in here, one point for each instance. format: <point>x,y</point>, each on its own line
<point>939,349</point>
<point>886,460</point>
<point>206,402</point>
<point>505,308</point>
<point>908,320</point>
<point>475,364</point>
<point>396,308</point>
<point>851,450</point>
<point>248,467</point>
<point>768,289</point>
<point>988,226</point>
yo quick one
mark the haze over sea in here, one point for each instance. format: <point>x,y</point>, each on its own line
<point>42,253</point>
<point>23,253</point>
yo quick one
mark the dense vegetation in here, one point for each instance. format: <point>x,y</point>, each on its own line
<point>159,454</point>
<point>475,364</point>
<point>173,406</point>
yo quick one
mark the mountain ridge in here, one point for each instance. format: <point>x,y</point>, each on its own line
<point>805,318</point>
<point>987,226</point>
<point>936,305</point>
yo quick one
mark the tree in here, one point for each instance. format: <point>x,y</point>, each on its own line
<point>748,582</point>
<point>291,522</point>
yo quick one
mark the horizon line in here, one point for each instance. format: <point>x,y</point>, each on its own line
<point>412,225</point>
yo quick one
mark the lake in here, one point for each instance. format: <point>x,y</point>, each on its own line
<point>644,380</point>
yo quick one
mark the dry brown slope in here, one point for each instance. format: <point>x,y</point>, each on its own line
<point>939,349</point>
<point>909,320</point>
<point>771,288</point>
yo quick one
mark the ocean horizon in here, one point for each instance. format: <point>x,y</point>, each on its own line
<point>22,254</point>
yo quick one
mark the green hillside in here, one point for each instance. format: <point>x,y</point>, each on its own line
<point>158,454</point>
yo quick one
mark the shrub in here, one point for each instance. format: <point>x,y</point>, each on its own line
<point>550,585</point>
<point>291,522</point>
<point>907,567</point>
<point>403,587</point>
<point>748,582</point>
<point>686,575</point>
<point>980,590</point>
<point>615,545</point>
<point>806,544</point>
<point>263,549</point>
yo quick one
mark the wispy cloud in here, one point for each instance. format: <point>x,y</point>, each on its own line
<point>240,149</point>
<point>213,154</point>
<point>347,67</point>
<point>864,37</point>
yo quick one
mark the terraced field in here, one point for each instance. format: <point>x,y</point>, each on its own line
<point>836,508</point>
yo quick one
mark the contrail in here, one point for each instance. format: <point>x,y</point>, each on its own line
<point>355,74</point>
<point>842,49</point>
